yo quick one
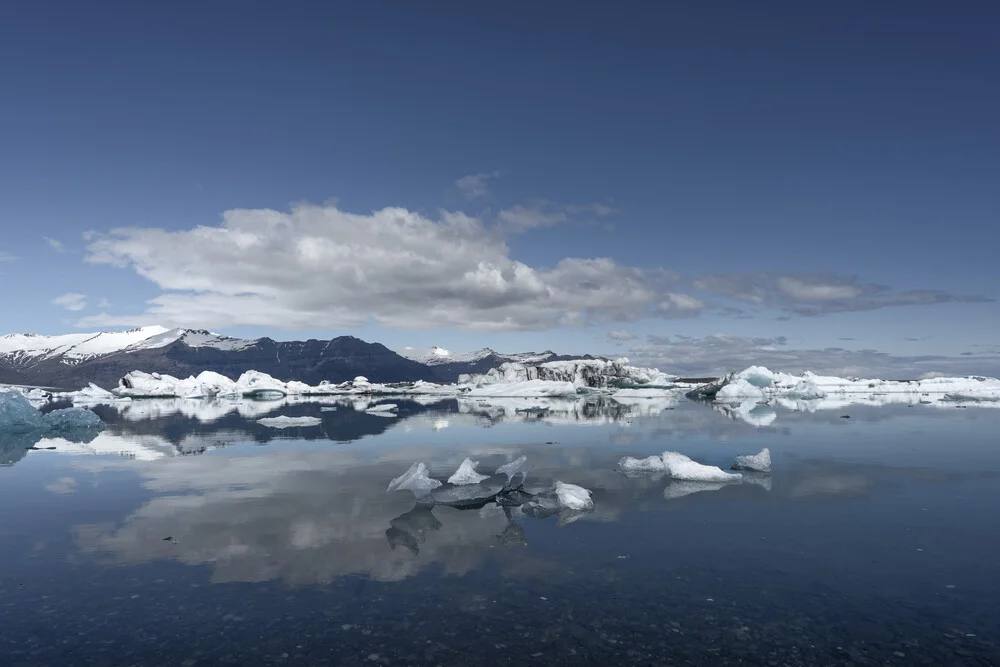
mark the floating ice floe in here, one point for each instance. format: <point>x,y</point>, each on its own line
<point>649,464</point>
<point>466,474</point>
<point>465,496</point>
<point>285,421</point>
<point>415,480</point>
<point>759,462</point>
<point>683,468</point>
<point>573,497</point>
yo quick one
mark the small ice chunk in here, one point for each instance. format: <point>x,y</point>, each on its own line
<point>512,469</point>
<point>416,480</point>
<point>466,474</point>
<point>683,468</point>
<point>760,462</point>
<point>383,407</point>
<point>648,464</point>
<point>573,497</point>
<point>285,421</point>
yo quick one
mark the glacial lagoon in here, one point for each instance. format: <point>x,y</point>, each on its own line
<point>189,533</point>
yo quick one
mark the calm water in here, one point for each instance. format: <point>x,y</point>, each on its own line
<point>195,536</point>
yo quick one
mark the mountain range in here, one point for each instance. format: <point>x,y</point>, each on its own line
<point>71,361</point>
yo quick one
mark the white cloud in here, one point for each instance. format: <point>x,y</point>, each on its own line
<point>7,257</point>
<point>719,353</point>
<point>71,301</point>
<point>320,267</point>
<point>474,186</point>
<point>55,244</point>
<point>820,293</point>
<point>520,218</point>
<point>104,303</point>
<point>621,334</point>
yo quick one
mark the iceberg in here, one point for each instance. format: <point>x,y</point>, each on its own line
<point>383,407</point>
<point>581,373</point>
<point>739,389</point>
<point>17,415</point>
<point>760,462</point>
<point>466,474</point>
<point>289,422</point>
<point>415,480</point>
<point>683,468</point>
<point>757,382</point>
<point>573,497</point>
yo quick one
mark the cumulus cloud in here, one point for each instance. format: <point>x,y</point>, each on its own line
<point>719,353</point>
<point>320,267</point>
<point>71,301</point>
<point>55,244</point>
<point>474,186</point>
<point>621,334</point>
<point>821,293</point>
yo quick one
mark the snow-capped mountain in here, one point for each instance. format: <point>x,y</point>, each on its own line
<point>72,361</point>
<point>26,350</point>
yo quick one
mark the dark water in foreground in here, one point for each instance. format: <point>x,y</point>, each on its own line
<point>875,542</point>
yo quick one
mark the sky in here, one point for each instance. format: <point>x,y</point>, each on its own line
<point>697,186</point>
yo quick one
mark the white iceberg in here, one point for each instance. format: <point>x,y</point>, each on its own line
<point>759,462</point>
<point>573,497</point>
<point>285,421</point>
<point>739,390</point>
<point>415,480</point>
<point>582,373</point>
<point>466,474</point>
<point>757,382</point>
<point>683,468</point>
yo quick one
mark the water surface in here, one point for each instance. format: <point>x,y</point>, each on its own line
<point>190,534</point>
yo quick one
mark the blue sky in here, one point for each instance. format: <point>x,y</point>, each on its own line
<point>775,171</point>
